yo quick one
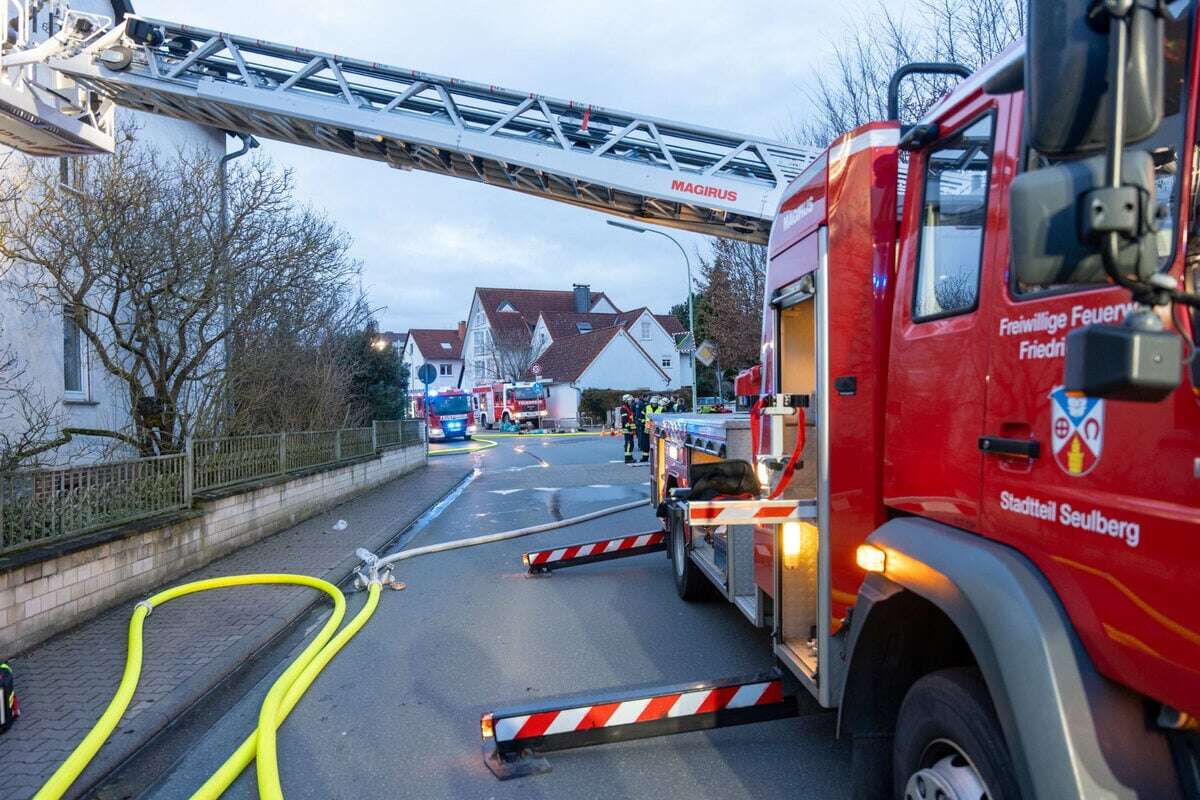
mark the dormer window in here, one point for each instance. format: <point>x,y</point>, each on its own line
<point>446,346</point>
<point>583,327</point>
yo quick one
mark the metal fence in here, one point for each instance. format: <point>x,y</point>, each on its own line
<point>48,503</point>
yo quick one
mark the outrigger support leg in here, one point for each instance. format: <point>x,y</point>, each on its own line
<point>573,555</point>
<point>514,738</point>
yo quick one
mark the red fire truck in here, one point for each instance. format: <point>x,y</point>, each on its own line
<point>964,501</point>
<point>521,404</point>
<point>449,414</point>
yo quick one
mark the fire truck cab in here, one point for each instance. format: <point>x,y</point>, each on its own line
<point>522,404</point>
<point>448,414</point>
<point>990,574</point>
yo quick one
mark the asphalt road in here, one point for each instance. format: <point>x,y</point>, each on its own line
<point>396,714</point>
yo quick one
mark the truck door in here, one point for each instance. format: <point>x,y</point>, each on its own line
<point>939,350</point>
<point>1101,494</point>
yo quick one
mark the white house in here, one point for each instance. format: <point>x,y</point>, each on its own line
<point>441,348</point>
<point>605,358</point>
<point>55,360</point>
<point>511,330</point>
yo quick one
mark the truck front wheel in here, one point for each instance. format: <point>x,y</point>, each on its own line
<point>690,584</point>
<point>949,744</point>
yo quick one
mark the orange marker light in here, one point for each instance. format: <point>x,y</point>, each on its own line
<point>871,558</point>
<point>486,727</point>
<point>525,559</point>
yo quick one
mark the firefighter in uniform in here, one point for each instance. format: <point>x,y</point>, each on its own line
<point>652,406</point>
<point>628,427</point>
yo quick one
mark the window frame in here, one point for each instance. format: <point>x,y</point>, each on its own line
<point>990,112</point>
<point>647,331</point>
<point>446,370</point>
<point>667,362</point>
<point>83,394</point>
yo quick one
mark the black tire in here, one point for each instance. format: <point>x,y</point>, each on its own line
<point>690,583</point>
<point>949,744</point>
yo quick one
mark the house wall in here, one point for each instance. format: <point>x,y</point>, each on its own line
<point>478,367</point>
<point>415,359</point>
<point>35,332</point>
<point>660,345</point>
<point>620,366</point>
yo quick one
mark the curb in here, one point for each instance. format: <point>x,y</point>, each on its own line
<point>152,722</point>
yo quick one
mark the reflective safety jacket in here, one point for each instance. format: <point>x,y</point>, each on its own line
<point>651,409</point>
<point>627,421</point>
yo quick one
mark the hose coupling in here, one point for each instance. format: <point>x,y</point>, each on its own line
<point>146,604</point>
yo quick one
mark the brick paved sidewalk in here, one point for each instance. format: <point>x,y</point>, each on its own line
<point>190,643</point>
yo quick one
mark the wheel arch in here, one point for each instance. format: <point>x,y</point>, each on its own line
<point>1071,732</point>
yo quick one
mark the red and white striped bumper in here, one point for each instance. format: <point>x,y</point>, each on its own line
<point>512,734</point>
<point>590,552</point>
<point>747,512</point>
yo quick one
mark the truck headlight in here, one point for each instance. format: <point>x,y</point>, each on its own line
<point>543,413</point>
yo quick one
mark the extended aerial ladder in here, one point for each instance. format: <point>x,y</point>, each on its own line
<point>57,98</point>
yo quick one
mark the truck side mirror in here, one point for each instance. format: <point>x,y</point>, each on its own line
<point>1054,230</point>
<point>1067,85</point>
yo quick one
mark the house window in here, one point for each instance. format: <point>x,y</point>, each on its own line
<point>446,346</point>
<point>445,369</point>
<point>666,361</point>
<point>645,329</point>
<point>479,342</point>
<point>74,358</point>
<point>478,370</point>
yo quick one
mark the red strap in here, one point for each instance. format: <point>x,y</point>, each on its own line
<point>755,429</point>
<point>790,469</point>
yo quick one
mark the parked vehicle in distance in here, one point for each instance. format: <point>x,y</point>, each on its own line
<point>522,404</point>
<point>449,414</point>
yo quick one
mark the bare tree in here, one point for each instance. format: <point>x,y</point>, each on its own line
<point>136,253</point>
<point>512,354</point>
<point>733,279</point>
<point>29,422</point>
<point>854,90</point>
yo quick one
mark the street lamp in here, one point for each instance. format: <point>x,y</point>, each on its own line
<point>691,313</point>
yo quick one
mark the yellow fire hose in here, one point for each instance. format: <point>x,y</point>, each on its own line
<point>288,688</point>
<point>488,444</point>
<point>280,700</point>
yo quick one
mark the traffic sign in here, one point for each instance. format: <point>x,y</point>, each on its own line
<point>706,353</point>
<point>427,373</point>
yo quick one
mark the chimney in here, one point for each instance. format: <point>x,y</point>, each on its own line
<point>583,298</point>
<point>462,330</point>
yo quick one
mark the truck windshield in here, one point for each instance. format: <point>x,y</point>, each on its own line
<point>449,404</point>
<point>528,393</point>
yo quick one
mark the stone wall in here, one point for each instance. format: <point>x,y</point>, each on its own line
<point>64,583</point>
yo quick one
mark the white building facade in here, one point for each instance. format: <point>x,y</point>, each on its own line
<point>50,355</point>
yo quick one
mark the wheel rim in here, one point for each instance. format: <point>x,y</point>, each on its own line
<point>946,774</point>
<point>677,548</point>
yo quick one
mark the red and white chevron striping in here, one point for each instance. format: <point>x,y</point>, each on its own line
<point>594,548</point>
<point>743,512</point>
<point>631,712</point>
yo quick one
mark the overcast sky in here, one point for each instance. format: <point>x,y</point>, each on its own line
<point>425,241</point>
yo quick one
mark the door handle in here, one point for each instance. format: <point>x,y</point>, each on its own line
<point>999,445</point>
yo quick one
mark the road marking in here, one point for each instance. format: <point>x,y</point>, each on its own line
<point>505,491</point>
<point>545,489</point>
<point>599,485</point>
